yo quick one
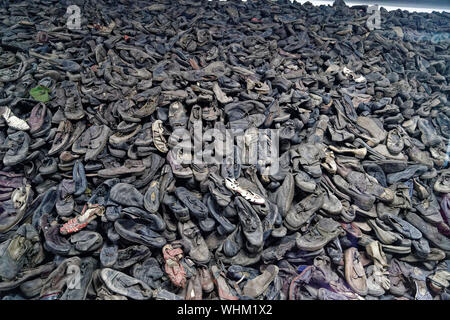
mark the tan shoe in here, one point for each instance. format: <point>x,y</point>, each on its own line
<point>256,287</point>
<point>354,272</point>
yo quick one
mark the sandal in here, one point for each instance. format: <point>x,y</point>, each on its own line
<point>89,213</point>
<point>248,195</point>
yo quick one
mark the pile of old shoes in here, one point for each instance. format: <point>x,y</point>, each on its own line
<point>223,150</point>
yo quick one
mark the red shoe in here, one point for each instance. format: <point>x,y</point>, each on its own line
<point>89,213</point>
<point>173,267</point>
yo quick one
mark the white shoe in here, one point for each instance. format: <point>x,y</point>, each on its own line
<point>13,121</point>
<point>248,195</point>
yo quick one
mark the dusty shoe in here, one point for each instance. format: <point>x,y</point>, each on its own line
<point>206,280</point>
<point>251,225</point>
<point>85,241</point>
<point>255,287</point>
<point>194,242</point>
<point>152,197</point>
<point>302,212</point>
<point>304,182</point>
<point>149,271</point>
<point>17,145</point>
<point>78,288</point>
<point>320,234</point>
<point>194,204</point>
<point>442,184</point>
<point>177,115</point>
<point>62,137</point>
<point>126,195</point>
<point>92,142</point>
<point>23,250</point>
<point>54,242</point>
<point>397,279</point>
<point>429,231</point>
<point>129,168</point>
<point>14,210</point>
<point>176,164</point>
<point>136,232</point>
<point>439,280</point>
<point>125,285</point>
<point>418,276</point>
<point>65,202</point>
<point>429,135</point>
<point>394,142</point>
<point>354,271</point>
<point>377,281</point>
<point>59,279</point>
<point>37,118</point>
